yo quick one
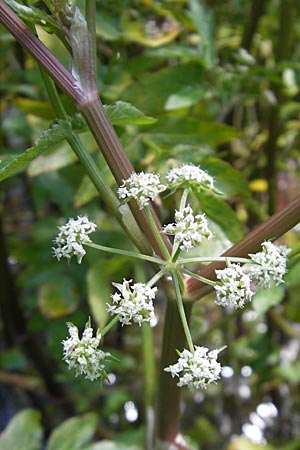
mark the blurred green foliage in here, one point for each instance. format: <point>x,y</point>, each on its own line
<point>178,88</point>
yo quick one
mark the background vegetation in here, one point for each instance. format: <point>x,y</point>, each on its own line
<point>218,85</point>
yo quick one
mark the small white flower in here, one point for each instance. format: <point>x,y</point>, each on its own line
<point>83,354</point>
<point>188,229</point>
<point>270,264</point>
<point>72,236</point>
<point>196,370</point>
<point>141,186</point>
<point>234,288</point>
<point>190,176</point>
<point>133,303</point>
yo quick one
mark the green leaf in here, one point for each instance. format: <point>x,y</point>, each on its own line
<point>59,299</point>
<point>152,90</point>
<point>98,292</point>
<point>110,445</point>
<point>123,113</point>
<point>73,434</point>
<point>47,140</point>
<point>221,213</point>
<point>172,131</point>
<point>203,20</point>
<point>244,444</point>
<point>23,432</point>
<point>228,180</point>
<point>184,98</point>
<point>264,299</point>
<point>32,14</point>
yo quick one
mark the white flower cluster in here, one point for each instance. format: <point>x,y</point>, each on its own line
<point>188,229</point>
<point>83,354</point>
<point>196,370</point>
<point>133,303</point>
<point>234,288</point>
<point>72,236</point>
<point>141,186</point>
<point>189,176</point>
<point>270,264</point>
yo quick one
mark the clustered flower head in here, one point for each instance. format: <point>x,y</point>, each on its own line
<point>270,264</point>
<point>196,370</point>
<point>133,303</point>
<point>190,176</point>
<point>188,229</point>
<point>234,288</point>
<point>71,238</point>
<point>142,187</point>
<point>83,354</point>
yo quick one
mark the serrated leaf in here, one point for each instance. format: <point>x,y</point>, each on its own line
<point>123,113</point>
<point>98,292</point>
<point>264,299</point>
<point>221,213</point>
<point>32,14</point>
<point>23,432</point>
<point>47,140</point>
<point>73,434</point>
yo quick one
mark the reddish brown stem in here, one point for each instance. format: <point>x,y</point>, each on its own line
<point>275,226</point>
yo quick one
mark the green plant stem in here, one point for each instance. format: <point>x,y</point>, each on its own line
<point>121,168</point>
<point>89,165</point>
<point>107,327</point>
<point>121,252</point>
<point>201,259</point>
<point>183,200</point>
<point>198,277</point>
<point>157,234</point>
<point>155,279</point>
<point>92,109</point>
<point>181,311</point>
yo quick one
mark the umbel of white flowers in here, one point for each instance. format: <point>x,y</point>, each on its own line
<point>133,303</point>
<point>83,354</point>
<point>234,288</point>
<point>198,369</point>
<point>142,187</point>
<point>71,238</point>
<point>190,176</point>
<point>188,229</point>
<point>235,284</point>
<point>270,264</point>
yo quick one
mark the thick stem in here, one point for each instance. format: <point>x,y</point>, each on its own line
<point>39,51</point>
<point>91,108</point>
<point>168,407</point>
<point>251,23</point>
<point>274,227</point>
